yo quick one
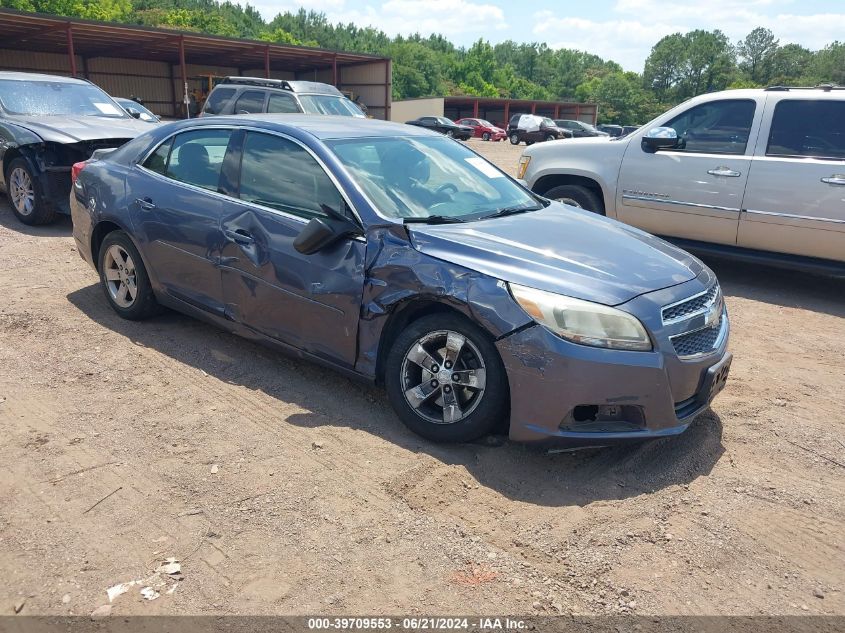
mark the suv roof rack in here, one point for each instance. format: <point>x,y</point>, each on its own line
<point>258,81</point>
<point>825,87</point>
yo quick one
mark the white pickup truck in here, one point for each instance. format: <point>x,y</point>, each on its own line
<point>759,174</point>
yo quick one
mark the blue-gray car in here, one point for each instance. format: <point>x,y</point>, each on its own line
<point>399,256</point>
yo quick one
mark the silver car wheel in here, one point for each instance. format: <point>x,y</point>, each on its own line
<point>119,274</point>
<point>443,377</point>
<point>22,191</point>
<point>571,202</point>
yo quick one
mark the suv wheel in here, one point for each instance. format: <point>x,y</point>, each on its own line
<point>576,196</point>
<point>124,278</point>
<point>26,196</point>
<point>514,139</point>
<point>445,379</point>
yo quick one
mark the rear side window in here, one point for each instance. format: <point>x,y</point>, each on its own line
<point>157,161</point>
<point>808,128</point>
<point>197,157</point>
<point>717,127</point>
<point>281,103</point>
<point>217,100</point>
<point>250,102</point>
<point>279,174</point>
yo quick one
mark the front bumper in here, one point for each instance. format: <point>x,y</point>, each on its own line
<point>638,395</point>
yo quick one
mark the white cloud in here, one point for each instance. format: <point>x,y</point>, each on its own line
<point>636,25</point>
<point>447,17</point>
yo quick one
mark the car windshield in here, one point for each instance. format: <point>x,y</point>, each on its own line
<point>444,121</point>
<point>548,122</point>
<point>329,104</point>
<point>421,177</point>
<point>129,104</point>
<point>485,123</point>
<point>587,126</point>
<point>57,98</point>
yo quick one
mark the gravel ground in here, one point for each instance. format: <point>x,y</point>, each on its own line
<point>284,488</point>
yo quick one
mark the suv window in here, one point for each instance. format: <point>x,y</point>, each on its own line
<point>279,174</point>
<point>281,103</point>
<point>157,161</point>
<point>217,100</point>
<point>808,128</point>
<point>197,157</point>
<point>718,127</point>
<point>250,102</point>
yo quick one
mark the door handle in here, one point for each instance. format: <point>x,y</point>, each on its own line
<point>835,179</point>
<point>239,236</point>
<point>724,171</point>
<point>145,203</point>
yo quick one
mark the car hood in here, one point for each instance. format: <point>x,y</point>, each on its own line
<point>73,129</point>
<point>563,250</point>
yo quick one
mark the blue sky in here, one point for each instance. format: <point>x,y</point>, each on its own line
<point>622,30</point>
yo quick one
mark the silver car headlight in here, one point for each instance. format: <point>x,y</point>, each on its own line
<point>583,322</point>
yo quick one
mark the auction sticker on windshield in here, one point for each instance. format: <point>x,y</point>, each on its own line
<point>484,167</point>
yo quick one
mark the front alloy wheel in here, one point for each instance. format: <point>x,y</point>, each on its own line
<point>22,191</point>
<point>514,139</point>
<point>25,194</point>
<point>445,379</point>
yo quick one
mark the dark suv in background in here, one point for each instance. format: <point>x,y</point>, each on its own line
<point>530,128</point>
<point>254,95</point>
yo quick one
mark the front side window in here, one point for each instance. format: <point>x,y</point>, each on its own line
<point>808,128</point>
<point>217,100</point>
<point>281,103</point>
<point>718,127</point>
<point>280,174</point>
<point>62,98</point>
<point>250,102</point>
<point>420,177</point>
<point>196,157</point>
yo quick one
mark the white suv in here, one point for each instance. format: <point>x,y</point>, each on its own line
<point>757,173</point>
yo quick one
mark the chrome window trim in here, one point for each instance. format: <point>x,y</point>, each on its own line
<point>259,130</point>
<point>697,205</point>
<point>794,216</point>
<point>723,330</point>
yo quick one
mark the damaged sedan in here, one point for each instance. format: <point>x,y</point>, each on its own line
<point>48,123</point>
<point>399,256</point>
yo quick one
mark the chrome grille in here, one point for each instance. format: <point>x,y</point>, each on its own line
<point>697,304</point>
<point>698,342</point>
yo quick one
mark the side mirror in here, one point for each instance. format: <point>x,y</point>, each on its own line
<point>660,138</point>
<point>322,232</point>
<point>135,114</point>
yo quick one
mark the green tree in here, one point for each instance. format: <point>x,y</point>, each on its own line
<point>756,52</point>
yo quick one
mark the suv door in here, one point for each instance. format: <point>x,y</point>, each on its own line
<point>693,191</point>
<point>795,197</point>
<point>311,302</point>
<point>176,210</point>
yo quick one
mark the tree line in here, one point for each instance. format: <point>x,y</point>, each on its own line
<point>679,66</point>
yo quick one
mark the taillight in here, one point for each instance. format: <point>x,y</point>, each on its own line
<point>75,171</point>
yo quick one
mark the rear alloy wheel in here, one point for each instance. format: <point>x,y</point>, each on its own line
<point>576,196</point>
<point>124,278</point>
<point>26,196</point>
<point>485,136</point>
<point>514,139</point>
<point>550,137</point>
<point>445,379</point>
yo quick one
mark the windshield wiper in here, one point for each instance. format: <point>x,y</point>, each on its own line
<point>509,211</point>
<point>432,219</point>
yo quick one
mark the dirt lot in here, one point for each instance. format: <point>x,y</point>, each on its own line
<point>283,488</point>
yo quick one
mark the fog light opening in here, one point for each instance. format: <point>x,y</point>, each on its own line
<point>585,413</point>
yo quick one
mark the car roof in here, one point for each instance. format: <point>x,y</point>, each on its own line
<point>320,126</point>
<point>19,76</point>
<point>298,87</point>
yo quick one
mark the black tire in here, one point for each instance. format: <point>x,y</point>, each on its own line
<point>143,305</point>
<point>514,139</point>
<point>487,413</point>
<point>450,134</point>
<point>577,196</point>
<point>485,136</point>
<point>37,210</point>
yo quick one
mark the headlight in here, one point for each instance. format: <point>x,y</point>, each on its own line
<point>583,322</point>
<point>522,166</point>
